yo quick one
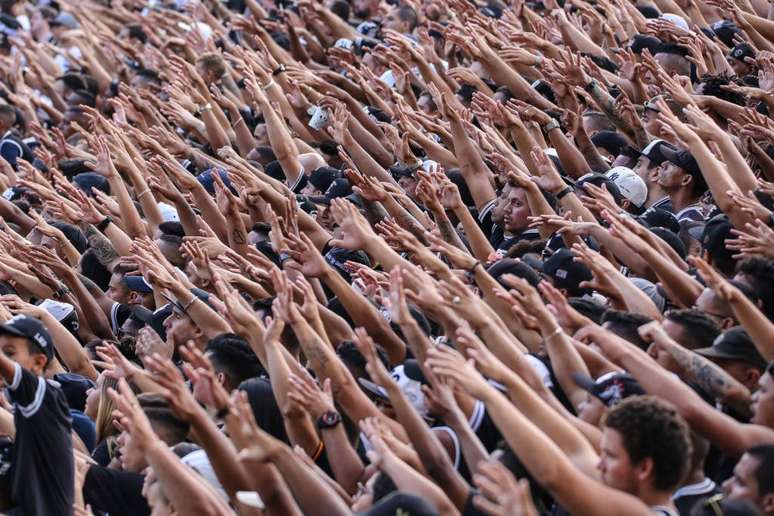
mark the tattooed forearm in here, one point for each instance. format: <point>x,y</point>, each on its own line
<point>99,243</point>
<point>711,377</point>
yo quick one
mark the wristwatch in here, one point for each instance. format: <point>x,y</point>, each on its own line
<point>550,126</point>
<point>328,419</point>
<point>203,108</point>
<point>104,223</point>
<point>566,190</point>
<point>278,70</point>
<point>590,86</point>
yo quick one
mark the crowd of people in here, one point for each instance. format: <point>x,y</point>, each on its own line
<point>400,257</point>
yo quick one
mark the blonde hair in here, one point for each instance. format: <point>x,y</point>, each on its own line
<point>104,420</point>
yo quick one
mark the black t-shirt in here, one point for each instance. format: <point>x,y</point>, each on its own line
<point>42,467</point>
<point>118,493</point>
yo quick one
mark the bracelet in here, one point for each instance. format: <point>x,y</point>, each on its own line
<point>146,191</point>
<point>590,86</point>
<point>268,85</point>
<point>104,223</point>
<point>61,291</point>
<point>188,304</point>
<point>473,268</point>
<point>205,107</point>
<point>556,332</point>
<point>278,70</point>
<point>564,192</point>
<point>236,123</point>
<point>550,126</point>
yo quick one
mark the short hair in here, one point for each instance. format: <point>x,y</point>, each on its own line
<point>136,31</point>
<point>85,97</point>
<point>626,325</point>
<point>231,355</point>
<point>212,62</point>
<point>171,239</point>
<point>407,13</point>
<point>652,428</point>
<point>341,9</point>
<point>764,475</point>
<point>588,308</point>
<point>165,423</point>
<point>701,330</point>
<point>171,227</point>
<point>151,75</point>
<point>761,270</point>
<point>8,112</point>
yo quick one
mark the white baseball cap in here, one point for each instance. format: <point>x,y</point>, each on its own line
<point>631,186</point>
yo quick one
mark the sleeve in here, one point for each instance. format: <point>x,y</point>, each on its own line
<point>10,151</point>
<point>115,492</point>
<point>27,391</point>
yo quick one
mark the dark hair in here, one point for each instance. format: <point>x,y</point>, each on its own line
<point>712,87</point>
<point>588,308</point>
<point>169,428</point>
<point>73,235</point>
<point>151,75</point>
<point>383,485</point>
<point>231,355</point>
<point>136,31</point>
<point>652,428</point>
<point>267,414</point>
<point>407,13</point>
<point>6,110</point>
<point>348,352</point>
<point>625,325</point>
<point>172,228</point>
<point>701,330</point>
<point>764,475</point>
<point>515,267</point>
<point>341,9</point>
<point>761,272</point>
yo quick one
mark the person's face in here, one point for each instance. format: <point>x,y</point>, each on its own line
<point>426,105</point>
<point>132,457</point>
<point>763,402</point>
<point>707,303</point>
<point>260,134</point>
<point>743,485</point>
<point>614,465</point>
<point>740,68</point>
<point>117,290</point>
<point>310,189</point>
<point>325,218</point>
<point>498,210</point>
<point>409,185</point>
<point>516,211</point>
<point>92,399</point>
<point>592,125</point>
<point>642,168</point>
<point>179,328</point>
<point>18,350</point>
<point>171,252</point>
<point>393,22</point>
<point>649,120</point>
<point>671,177</point>
<point>591,410</point>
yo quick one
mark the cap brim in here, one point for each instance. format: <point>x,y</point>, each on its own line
<point>670,155</point>
<point>10,330</point>
<point>373,388</point>
<point>711,352</point>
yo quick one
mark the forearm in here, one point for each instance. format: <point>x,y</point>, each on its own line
<point>70,350</point>
<point>365,163</point>
<point>96,318</point>
<point>207,319</point>
<point>347,468</point>
<point>129,215</point>
<point>573,161</point>
<point>447,230</point>
<point>680,286</point>
<point>313,496</point>
<point>210,211</point>
<point>477,240</point>
<point>364,314</point>
<point>758,326</point>
<point>187,493</point>
<point>473,450</point>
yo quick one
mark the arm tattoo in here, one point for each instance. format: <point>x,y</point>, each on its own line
<point>707,375</point>
<point>103,248</point>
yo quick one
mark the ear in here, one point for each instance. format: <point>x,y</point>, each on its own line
<point>686,179</point>
<point>727,323</point>
<point>134,297</point>
<point>40,362</point>
<point>221,378</point>
<point>626,204</point>
<point>644,469</point>
<point>752,376</point>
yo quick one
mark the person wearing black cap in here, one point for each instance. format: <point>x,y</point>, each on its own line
<point>606,391</point>
<point>647,167</point>
<point>739,59</point>
<point>681,178</point>
<point>736,354</point>
<point>319,181</point>
<point>42,471</point>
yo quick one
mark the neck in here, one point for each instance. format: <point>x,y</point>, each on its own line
<point>694,478</point>
<point>655,192</point>
<point>681,199</point>
<point>653,497</point>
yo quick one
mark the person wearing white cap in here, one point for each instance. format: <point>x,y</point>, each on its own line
<point>631,186</point>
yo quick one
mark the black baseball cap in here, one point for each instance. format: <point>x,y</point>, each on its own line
<point>153,319</point>
<point>610,388</point>
<point>725,30</point>
<point>322,177</point>
<point>565,272</point>
<point>402,503</point>
<point>734,344</point>
<point>31,329</point>
<point>75,388</point>
<point>683,159</point>
<point>652,151</point>
<point>741,52</point>
<point>339,187</point>
<point>658,218</point>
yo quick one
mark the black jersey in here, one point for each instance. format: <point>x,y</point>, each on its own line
<point>42,467</point>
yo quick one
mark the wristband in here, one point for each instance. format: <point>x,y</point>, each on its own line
<point>205,107</point>
<point>268,85</point>
<point>146,191</point>
<point>590,86</point>
<point>102,226</point>
<point>556,332</point>
<point>564,192</point>
<point>280,69</point>
<point>188,304</point>
<point>550,126</point>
